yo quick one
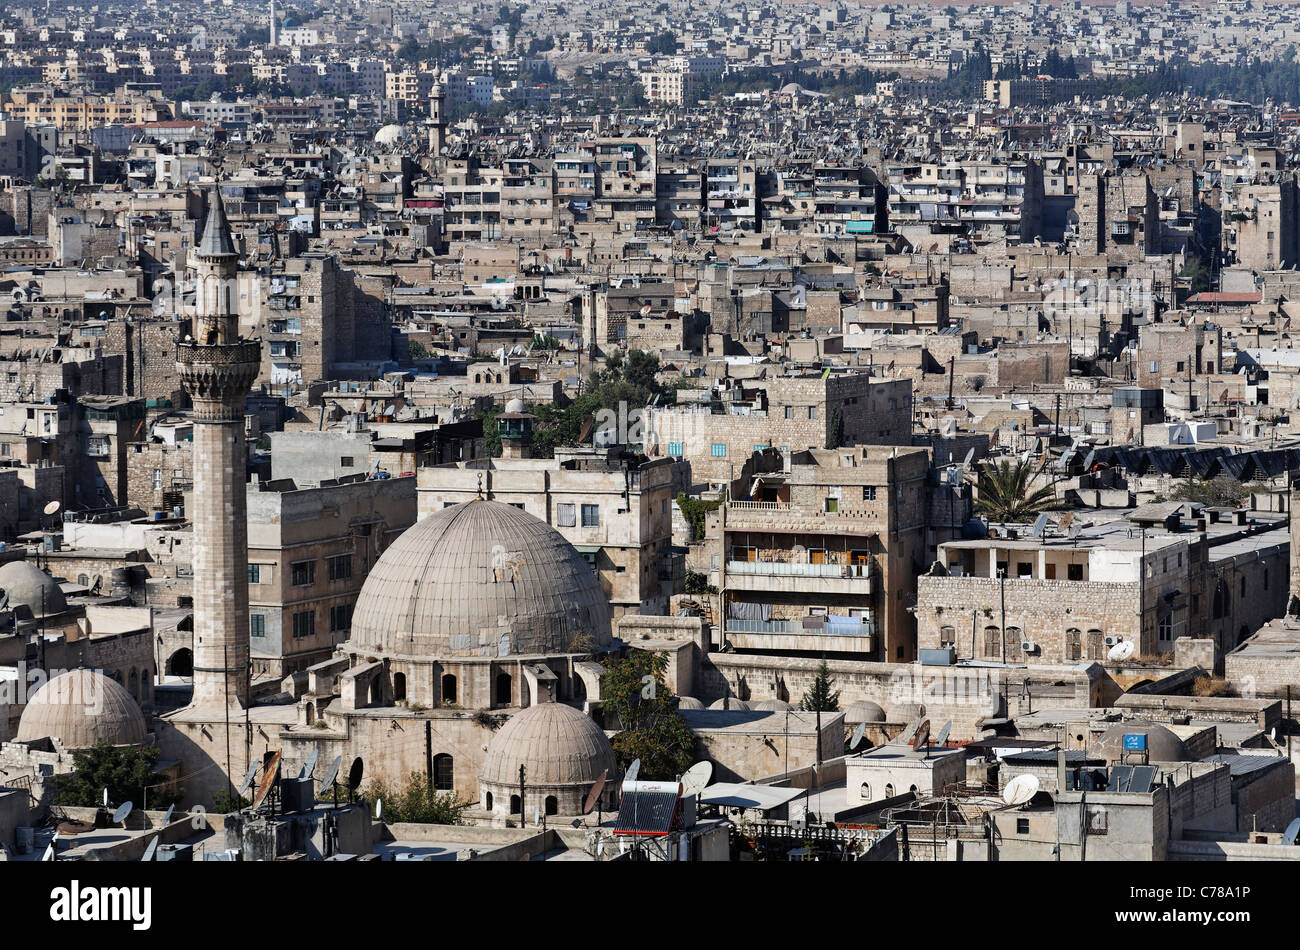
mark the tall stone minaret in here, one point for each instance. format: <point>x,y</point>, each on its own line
<point>273,30</point>
<point>438,119</point>
<point>1293,517</point>
<point>217,369</point>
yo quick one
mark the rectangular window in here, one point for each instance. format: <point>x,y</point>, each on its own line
<point>254,573</point>
<point>340,567</point>
<point>340,618</point>
<point>832,505</point>
<point>346,461</point>
<point>812,412</point>
<point>256,625</point>
<point>304,624</point>
<point>718,450</point>
<point>566,515</point>
<point>868,492</point>
<point>304,573</point>
<point>1074,572</point>
<point>590,516</point>
<point>789,412</point>
<point>676,449</point>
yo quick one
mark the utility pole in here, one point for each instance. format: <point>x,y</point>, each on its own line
<point>1002,584</point>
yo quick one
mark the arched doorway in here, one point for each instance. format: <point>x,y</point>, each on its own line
<point>552,805</point>
<point>399,687</point>
<point>448,688</point>
<point>514,804</point>
<point>181,663</point>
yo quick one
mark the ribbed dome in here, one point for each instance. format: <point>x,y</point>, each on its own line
<point>23,583</point>
<point>771,705</point>
<point>556,745</point>
<point>1162,744</point>
<point>689,702</point>
<point>864,710</point>
<point>480,579</point>
<point>729,702</point>
<point>82,708</point>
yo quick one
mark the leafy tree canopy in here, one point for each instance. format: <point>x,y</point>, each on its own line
<point>1005,493</point>
<point>126,771</point>
<point>652,728</point>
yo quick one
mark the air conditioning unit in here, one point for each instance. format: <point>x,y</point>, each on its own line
<point>1028,646</point>
<point>1111,641</point>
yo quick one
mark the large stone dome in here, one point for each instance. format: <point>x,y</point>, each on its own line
<point>480,579</point>
<point>556,744</point>
<point>82,708</point>
<point>1162,744</point>
<point>25,583</point>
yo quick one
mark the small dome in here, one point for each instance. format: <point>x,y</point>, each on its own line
<point>864,710</point>
<point>516,405</point>
<point>82,708</point>
<point>1162,744</point>
<point>689,702</point>
<point>25,583</point>
<point>480,579</point>
<point>556,745</point>
<point>388,135</point>
<point>731,702</point>
<point>775,705</point>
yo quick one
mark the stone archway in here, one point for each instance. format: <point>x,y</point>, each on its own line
<point>181,663</point>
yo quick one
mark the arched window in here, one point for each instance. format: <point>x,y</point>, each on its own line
<point>865,792</point>
<point>1243,585</point>
<point>889,791</point>
<point>912,789</point>
<point>487,801</point>
<point>1074,644</point>
<point>505,691</point>
<point>947,636</point>
<point>311,713</point>
<point>448,688</point>
<point>514,804</point>
<point>133,684</point>
<point>399,687</point>
<point>552,805</point>
<point>992,642</point>
<point>443,773</point>
<point>1014,639</point>
<point>146,684</point>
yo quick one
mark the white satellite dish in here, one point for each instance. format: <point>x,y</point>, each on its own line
<point>942,737</point>
<point>150,849</point>
<point>52,508</point>
<point>105,798</point>
<point>1292,830</point>
<point>167,818</point>
<point>696,778</point>
<point>1121,651</point>
<point>49,853</point>
<point>633,771</point>
<point>1020,789</point>
<point>858,733</point>
<point>123,810</point>
<point>379,808</point>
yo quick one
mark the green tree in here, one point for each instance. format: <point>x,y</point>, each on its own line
<point>635,690</point>
<point>822,696</point>
<point>1005,495</point>
<point>1222,491</point>
<point>417,350</point>
<point>1197,275</point>
<point>416,801</point>
<point>126,771</point>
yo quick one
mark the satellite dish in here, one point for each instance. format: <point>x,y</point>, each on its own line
<point>355,773</point>
<point>52,508</point>
<point>1020,789</point>
<point>1040,526</point>
<point>696,778</point>
<point>331,773</point>
<point>123,810</point>
<point>537,815</point>
<point>168,817</point>
<point>105,798</point>
<point>633,771</point>
<point>248,779</point>
<point>1292,830</point>
<point>858,733</point>
<point>309,766</point>
<point>49,852</point>
<point>593,796</point>
<point>942,737</point>
<point>922,735</point>
<point>269,775</point>
<point>966,461</point>
<point>1121,651</point>
<point>150,849</point>
<point>379,808</point>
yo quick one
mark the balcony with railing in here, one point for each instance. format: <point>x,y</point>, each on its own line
<point>789,577</point>
<point>838,634</point>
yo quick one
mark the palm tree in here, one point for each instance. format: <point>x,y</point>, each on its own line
<point>1005,495</point>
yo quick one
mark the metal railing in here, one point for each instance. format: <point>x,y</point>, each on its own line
<point>795,569</point>
<point>864,627</point>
